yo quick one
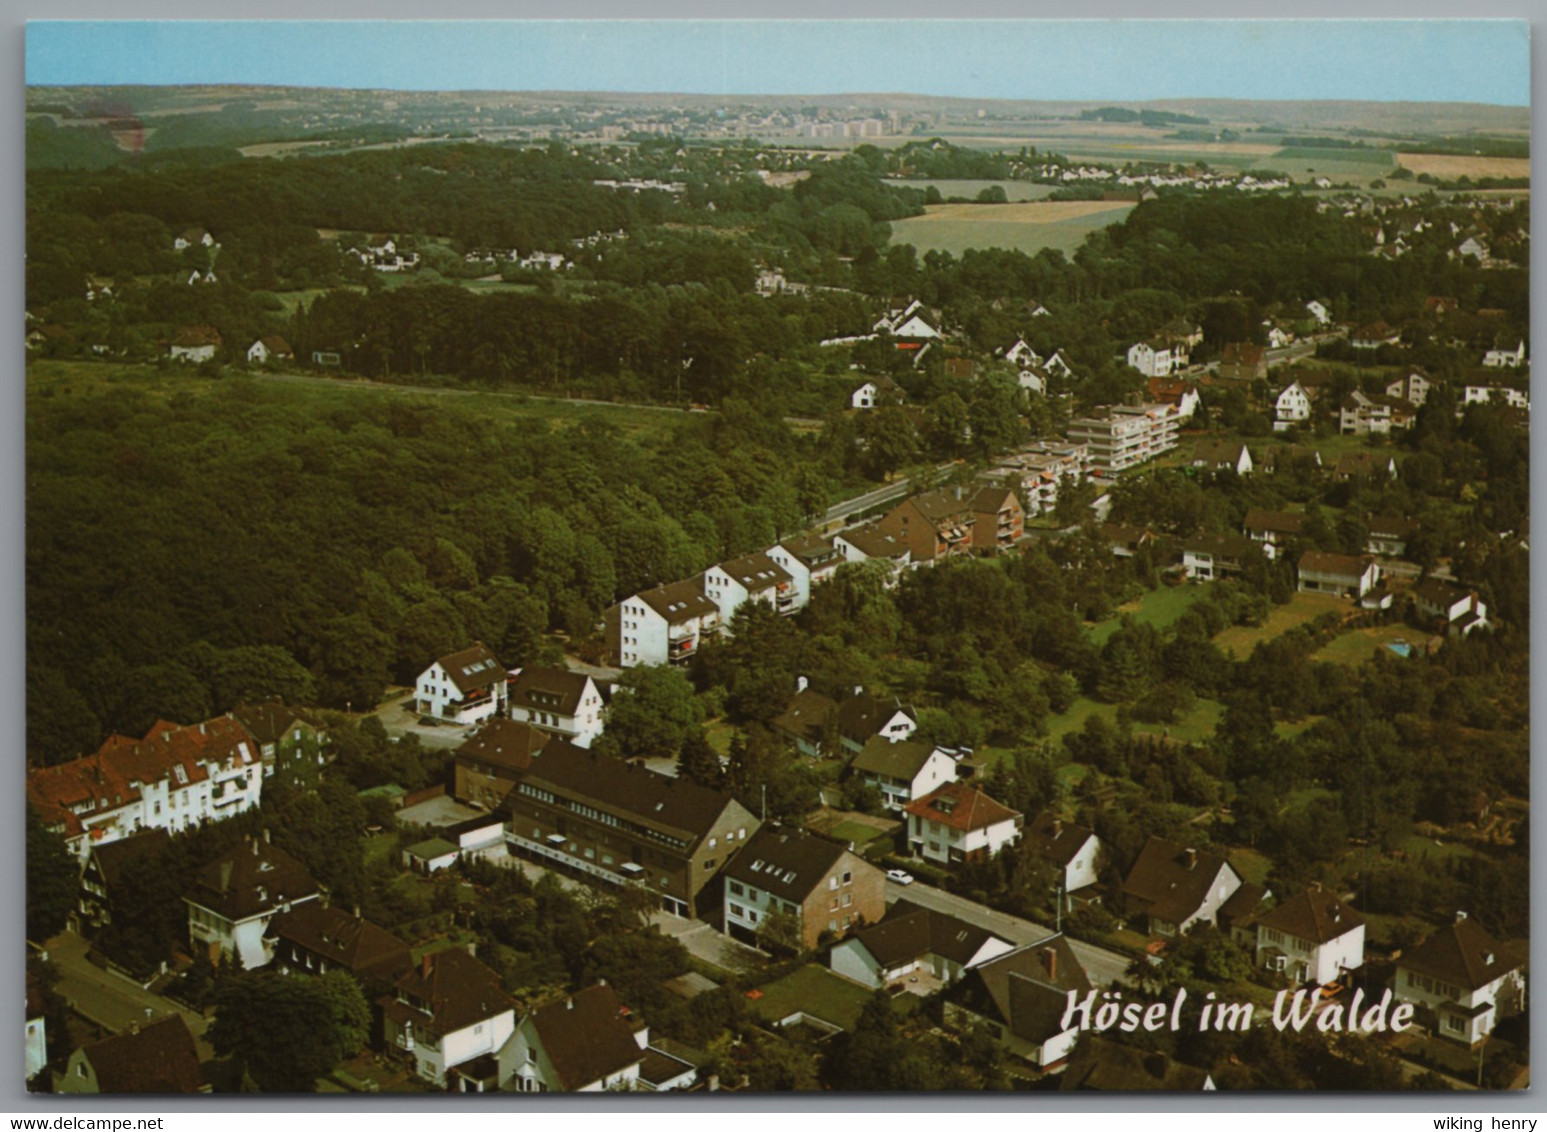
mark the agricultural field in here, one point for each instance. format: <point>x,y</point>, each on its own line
<point>1448,167</point>
<point>1027,226</point>
<point>1013,190</point>
<point>1303,607</point>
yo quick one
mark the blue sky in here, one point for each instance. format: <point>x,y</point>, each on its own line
<point>1414,60</point>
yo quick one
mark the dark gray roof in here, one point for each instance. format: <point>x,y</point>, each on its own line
<point>548,689</point>
<point>902,759</point>
<point>585,1037</point>
<point>679,601</point>
<point>910,932</point>
<point>1464,954</point>
<point>1315,915</point>
<point>473,668</point>
<point>1056,840</point>
<point>787,862</point>
<point>254,878</point>
<point>755,572</point>
<point>1172,881</point>
<point>1025,990</point>
<point>505,743</point>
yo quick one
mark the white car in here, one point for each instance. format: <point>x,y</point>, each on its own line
<point>899,876</point>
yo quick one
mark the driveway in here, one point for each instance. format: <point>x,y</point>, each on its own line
<point>1104,967</point>
<point>111,1000</point>
<point>713,947</point>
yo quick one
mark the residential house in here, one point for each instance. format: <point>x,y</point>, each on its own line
<point>1206,557</point>
<point>1243,361</point>
<point>1119,437</point>
<point>789,886</point>
<point>558,701</point>
<point>1021,354</point>
<point>1274,529</point>
<point>272,348</point>
<point>279,729</point>
<point>912,322</point>
<point>191,237</point>
<point>194,344</point>
<point>809,721</point>
<point>1279,336</point>
<point>809,560</point>
<point>752,577</point>
<point>1157,357</point>
<point>1388,535</point>
<point>1058,365</point>
<point>1364,465</point>
<point>1456,610</point>
<point>1034,379</point>
<point>234,898</point>
<point>1318,310</point>
<point>1125,539</point>
<point>1036,309</point>
<point>1347,575</point>
<point>462,687</point>
<point>446,1011</point>
<point>581,1043</point>
<point>1504,358</point>
<point>1021,997</point>
<point>1474,248</point>
<point>1488,394</point>
<point>1104,1066</point>
<point>313,939</point>
<point>862,544</point>
<point>1364,415</point>
<point>431,855</point>
<point>864,717</point>
<point>159,1057</point>
<point>1222,455</point>
<point>489,762</point>
<point>1439,306</point>
<point>1073,849</point>
<point>1174,391</point>
<point>934,525</point>
<point>1313,937</point>
<point>956,822</point>
<point>175,778</point>
<point>1290,457</point>
<point>1375,335</point>
<point>670,1067</point>
<point>1464,979</point>
<point>911,939</point>
<point>1412,386</point>
<point>1175,887</point>
<point>102,877</point>
<point>1184,331</point>
<point>998,522</point>
<point>902,770</point>
<point>1293,405</point>
<point>606,820</point>
<point>875,392</point>
<point>663,625</point>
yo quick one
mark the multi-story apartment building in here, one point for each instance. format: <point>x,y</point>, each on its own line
<point>663,625</point>
<point>617,824</point>
<point>934,525</point>
<point>809,560</point>
<point>560,702</point>
<point>174,778</point>
<point>814,884</point>
<point>998,520</point>
<point>1124,436</point>
<point>752,577</point>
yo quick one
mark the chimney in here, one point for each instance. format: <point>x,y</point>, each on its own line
<point>1190,856</point>
<point>800,684</point>
<point>859,689</point>
<point>267,837</point>
<point>255,845</point>
<point>424,965</point>
<point>1315,886</point>
<point>601,982</point>
<point>569,1004</point>
<point>1460,916</point>
<point>1058,828</point>
<point>1050,961</point>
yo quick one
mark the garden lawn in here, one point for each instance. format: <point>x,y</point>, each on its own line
<point>1303,607</point>
<point>1355,646</point>
<point>1161,608</point>
<point>816,991</point>
<point>1194,727</point>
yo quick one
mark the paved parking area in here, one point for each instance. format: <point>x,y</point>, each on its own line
<point>442,811</point>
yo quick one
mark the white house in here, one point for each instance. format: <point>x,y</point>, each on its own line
<point>1347,575</point>
<point>194,344</point>
<point>910,322</point>
<point>581,1043</point>
<point>914,939</point>
<point>1457,610</point>
<point>191,236</point>
<point>663,625</point>
<point>1021,354</point>
<point>234,899</point>
<point>560,702</point>
<point>1292,406</point>
<point>1156,358</point>
<point>1474,248</point>
<point>1465,977</point>
<point>1058,365</point>
<point>463,687</point>
<point>1222,455</point>
<point>809,560</point>
<point>861,544</point>
<point>175,778</point>
<point>270,349</point>
<point>1072,849</point>
<point>1033,380</point>
<point>1311,938</point>
<point>1506,358</point>
<point>956,822</point>
<point>902,770</point>
<point>1413,387</point>
<point>752,577</point>
<point>1485,394</point>
<point>1175,887</point>
<point>1319,312</point>
<point>448,1010</point>
<point>863,717</point>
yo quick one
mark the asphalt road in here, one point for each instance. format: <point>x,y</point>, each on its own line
<point>111,1000</point>
<point>1104,967</point>
<point>895,490</point>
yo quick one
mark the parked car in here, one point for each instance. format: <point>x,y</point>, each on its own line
<point>899,876</point>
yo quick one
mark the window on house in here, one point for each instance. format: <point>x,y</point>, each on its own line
<point>736,889</point>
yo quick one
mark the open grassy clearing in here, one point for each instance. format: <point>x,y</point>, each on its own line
<point>1196,726</point>
<point>1161,608</point>
<point>1252,865</point>
<point>1303,607</point>
<point>1355,646</point>
<point>1285,729</point>
<point>1028,226</point>
<point>816,991</point>
<point>1447,167</point>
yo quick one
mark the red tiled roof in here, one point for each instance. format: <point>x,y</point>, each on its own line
<point>961,807</point>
